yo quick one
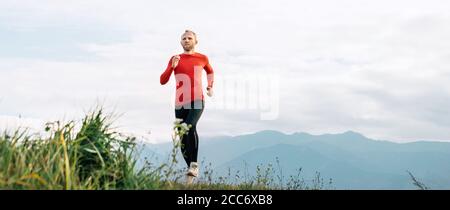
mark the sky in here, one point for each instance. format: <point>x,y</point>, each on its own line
<point>380,68</point>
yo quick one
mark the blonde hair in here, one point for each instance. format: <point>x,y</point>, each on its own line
<point>193,33</point>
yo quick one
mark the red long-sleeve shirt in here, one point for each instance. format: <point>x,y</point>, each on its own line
<point>188,75</point>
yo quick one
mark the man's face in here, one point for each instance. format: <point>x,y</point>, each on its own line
<point>188,41</point>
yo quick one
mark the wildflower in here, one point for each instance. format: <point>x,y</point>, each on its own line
<point>177,121</point>
<point>184,126</point>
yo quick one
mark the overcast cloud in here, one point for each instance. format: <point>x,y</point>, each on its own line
<point>381,68</point>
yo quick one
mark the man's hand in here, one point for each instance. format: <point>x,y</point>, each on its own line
<point>175,61</point>
<point>210,92</point>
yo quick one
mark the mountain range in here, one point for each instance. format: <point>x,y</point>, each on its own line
<point>349,159</point>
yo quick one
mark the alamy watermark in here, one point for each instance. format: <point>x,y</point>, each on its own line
<point>239,92</point>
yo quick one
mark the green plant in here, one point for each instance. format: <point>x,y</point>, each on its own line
<point>96,156</point>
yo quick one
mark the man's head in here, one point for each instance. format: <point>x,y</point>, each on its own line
<point>188,40</point>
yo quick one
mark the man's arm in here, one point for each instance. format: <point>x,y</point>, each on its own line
<point>209,77</point>
<point>209,74</point>
<point>165,76</point>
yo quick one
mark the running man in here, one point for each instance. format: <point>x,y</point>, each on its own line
<point>189,100</point>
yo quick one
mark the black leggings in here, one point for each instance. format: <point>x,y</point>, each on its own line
<point>190,114</point>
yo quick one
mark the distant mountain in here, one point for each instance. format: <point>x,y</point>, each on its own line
<point>350,159</point>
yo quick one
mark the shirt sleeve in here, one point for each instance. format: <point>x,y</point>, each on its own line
<point>165,76</point>
<point>209,73</point>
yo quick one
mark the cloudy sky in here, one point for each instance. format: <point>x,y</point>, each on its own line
<point>381,68</point>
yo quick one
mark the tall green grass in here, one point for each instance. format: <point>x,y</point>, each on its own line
<point>94,156</point>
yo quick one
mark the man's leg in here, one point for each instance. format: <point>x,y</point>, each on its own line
<point>182,113</point>
<point>192,118</point>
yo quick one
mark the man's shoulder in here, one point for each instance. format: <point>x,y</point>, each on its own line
<point>201,55</point>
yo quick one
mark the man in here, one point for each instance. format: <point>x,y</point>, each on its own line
<point>189,100</point>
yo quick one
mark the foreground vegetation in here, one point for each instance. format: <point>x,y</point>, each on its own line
<point>94,156</point>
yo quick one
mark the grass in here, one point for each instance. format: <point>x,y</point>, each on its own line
<point>417,183</point>
<point>95,157</point>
